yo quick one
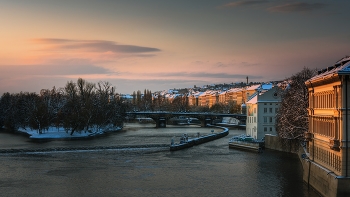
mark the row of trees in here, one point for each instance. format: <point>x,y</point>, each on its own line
<point>85,106</point>
<point>80,106</point>
<point>292,117</point>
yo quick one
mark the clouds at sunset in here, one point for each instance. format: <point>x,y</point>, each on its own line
<point>277,6</point>
<point>159,45</point>
<point>243,3</point>
<point>203,75</point>
<point>53,70</point>
<point>297,7</point>
<point>92,46</point>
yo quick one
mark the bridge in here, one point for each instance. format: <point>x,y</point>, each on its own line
<point>205,118</point>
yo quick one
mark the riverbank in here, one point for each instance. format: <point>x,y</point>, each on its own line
<point>53,133</point>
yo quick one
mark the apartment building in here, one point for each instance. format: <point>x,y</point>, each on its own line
<point>262,108</point>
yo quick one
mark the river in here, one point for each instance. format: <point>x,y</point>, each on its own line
<point>210,169</point>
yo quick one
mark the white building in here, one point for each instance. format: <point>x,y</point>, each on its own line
<point>262,108</point>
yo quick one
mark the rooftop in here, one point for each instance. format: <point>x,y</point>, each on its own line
<point>341,67</point>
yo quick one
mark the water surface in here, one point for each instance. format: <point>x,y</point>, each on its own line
<point>210,169</point>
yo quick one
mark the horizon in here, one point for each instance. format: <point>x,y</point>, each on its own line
<point>160,45</point>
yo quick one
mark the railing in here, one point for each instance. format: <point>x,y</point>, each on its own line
<point>324,125</point>
<point>324,99</point>
<point>326,158</point>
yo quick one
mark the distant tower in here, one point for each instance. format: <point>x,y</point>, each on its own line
<point>247,80</point>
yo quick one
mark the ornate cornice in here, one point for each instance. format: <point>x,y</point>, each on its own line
<point>322,80</point>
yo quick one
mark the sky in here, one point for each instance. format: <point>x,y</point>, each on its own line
<point>163,44</point>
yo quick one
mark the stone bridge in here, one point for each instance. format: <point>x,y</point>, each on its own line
<point>206,118</point>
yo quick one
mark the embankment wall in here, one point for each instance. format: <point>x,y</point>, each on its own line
<point>324,181</point>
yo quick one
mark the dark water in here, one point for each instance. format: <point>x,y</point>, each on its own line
<point>210,169</point>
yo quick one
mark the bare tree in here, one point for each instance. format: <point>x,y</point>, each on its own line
<point>9,111</point>
<point>180,103</point>
<point>292,119</point>
<point>40,114</point>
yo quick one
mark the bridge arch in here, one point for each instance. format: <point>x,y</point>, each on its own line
<point>161,118</point>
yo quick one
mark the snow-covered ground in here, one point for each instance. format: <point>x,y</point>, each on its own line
<point>54,133</point>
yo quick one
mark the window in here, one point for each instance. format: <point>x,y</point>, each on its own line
<point>270,119</point>
<point>265,129</point>
<point>265,119</point>
<point>265,110</point>
<point>270,110</point>
<point>276,110</point>
<point>270,128</point>
<point>254,119</point>
<point>270,103</point>
<point>254,110</point>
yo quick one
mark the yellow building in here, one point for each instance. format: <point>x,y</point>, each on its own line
<point>214,98</point>
<point>222,97</point>
<point>329,129</point>
<point>235,95</point>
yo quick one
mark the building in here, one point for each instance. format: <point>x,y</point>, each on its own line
<point>251,90</point>
<point>329,100</point>
<point>329,129</point>
<point>261,111</point>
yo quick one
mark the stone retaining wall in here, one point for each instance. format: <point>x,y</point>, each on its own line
<point>285,145</point>
<point>319,178</point>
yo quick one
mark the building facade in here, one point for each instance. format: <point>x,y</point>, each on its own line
<point>329,131</point>
<point>326,165</point>
<point>262,108</point>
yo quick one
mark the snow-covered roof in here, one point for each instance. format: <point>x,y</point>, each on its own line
<point>266,86</point>
<point>341,67</point>
<point>126,96</point>
<point>172,91</point>
<point>253,100</point>
<point>197,94</point>
<point>253,87</point>
<point>234,90</point>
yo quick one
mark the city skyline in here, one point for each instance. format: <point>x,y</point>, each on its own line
<point>160,45</point>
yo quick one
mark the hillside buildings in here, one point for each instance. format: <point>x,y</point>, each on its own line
<point>236,96</point>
